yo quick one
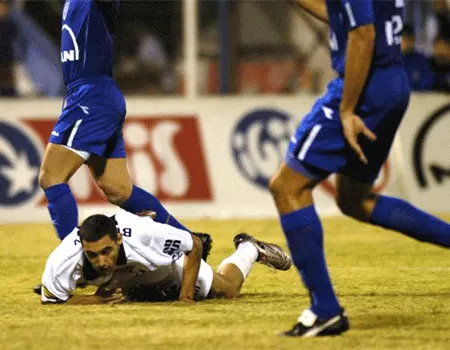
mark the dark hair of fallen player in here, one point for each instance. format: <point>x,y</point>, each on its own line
<point>95,227</point>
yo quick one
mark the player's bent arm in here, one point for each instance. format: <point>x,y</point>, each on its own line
<point>316,8</point>
<point>191,268</point>
<point>84,300</point>
<point>95,299</point>
<point>360,48</point>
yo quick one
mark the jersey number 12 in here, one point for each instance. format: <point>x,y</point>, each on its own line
<point>393,30</point>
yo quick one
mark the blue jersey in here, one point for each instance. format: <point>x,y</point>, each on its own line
<point>87,38</point>
<point>386,15</point>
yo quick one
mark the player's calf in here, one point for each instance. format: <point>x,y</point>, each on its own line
<point>227,282</point>
<point>112,177</point>
<point>117,192</point>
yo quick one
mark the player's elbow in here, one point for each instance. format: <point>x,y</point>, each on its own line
<point>197,247</point>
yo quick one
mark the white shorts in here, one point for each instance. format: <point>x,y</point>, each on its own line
<point>204,280</point>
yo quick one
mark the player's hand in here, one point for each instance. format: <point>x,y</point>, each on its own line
<point>352,126</point>
<point>115,298</point>
<point>186,301</point>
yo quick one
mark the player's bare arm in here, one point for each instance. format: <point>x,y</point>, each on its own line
<point>361,42</point>
<point>101,297</point>
<point>190,271</point>
<point>96,299</point>
<point>316,8</point>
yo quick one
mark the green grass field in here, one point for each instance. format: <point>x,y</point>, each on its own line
<point>396,292</point>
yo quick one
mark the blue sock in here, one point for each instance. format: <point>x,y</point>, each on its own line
<point>141,200</point>
<point>304,235</point>
<point>63,209</point>
<point>399,215</point>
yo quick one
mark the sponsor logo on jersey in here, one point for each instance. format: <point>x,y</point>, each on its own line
<point>20,159</point>
<point>72,54</point>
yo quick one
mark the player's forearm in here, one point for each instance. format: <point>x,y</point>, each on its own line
<point>191,268</point>
<point>317,8</point>
<point>85,300</point>
<point>360,48</point>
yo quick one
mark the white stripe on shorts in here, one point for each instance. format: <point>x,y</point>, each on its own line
<point>74,131</point>
<point>83,154</point>
<point>312,135</point>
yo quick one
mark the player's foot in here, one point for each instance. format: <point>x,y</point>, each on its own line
<point>37,289</point>
<point>309,325</point>
<point>207,243</point>
<point>269,254</point>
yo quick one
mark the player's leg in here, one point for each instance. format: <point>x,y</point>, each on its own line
<point>354,189</point>
<point>113,178</point>
<point>232,272</point>
<point>109,168</point>
<point>58,166</point>
<point>314,152</point>
<point>292,193</point>
<point>228,280</point>
<point>77,134</point>
<point>357,200</point>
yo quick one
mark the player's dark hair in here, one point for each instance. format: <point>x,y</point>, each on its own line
<point>96,227</point>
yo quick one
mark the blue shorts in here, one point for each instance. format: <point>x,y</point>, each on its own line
<point>319,148</point>
<point>92,118</point>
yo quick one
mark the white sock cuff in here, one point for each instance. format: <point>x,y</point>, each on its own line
<point>244,258</point>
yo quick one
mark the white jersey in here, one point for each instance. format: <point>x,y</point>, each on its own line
<point>150,262</point>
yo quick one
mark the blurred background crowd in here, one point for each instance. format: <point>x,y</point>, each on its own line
<point>276,48</point>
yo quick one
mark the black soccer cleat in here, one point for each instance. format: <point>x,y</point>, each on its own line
<point>207,243</point>
<point>309,325</point>
<point>37,289</point>
<point>268,253</point>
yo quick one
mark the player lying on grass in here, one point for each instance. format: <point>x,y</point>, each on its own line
<point>133,258</point>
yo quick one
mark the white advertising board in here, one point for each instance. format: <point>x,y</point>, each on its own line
<point>425,141</point>
<point>203,158</point>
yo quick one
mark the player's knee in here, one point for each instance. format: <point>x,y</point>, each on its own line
<point>276,186</point>
<point>231,294</point>
<point>347,205</point>
<point>286,190</point>
<point>48,178</point>
<point>116,192</point>
<point>282,187</point>
<point>358,208</point>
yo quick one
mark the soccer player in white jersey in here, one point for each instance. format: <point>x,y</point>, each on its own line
<point>130,257</point>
